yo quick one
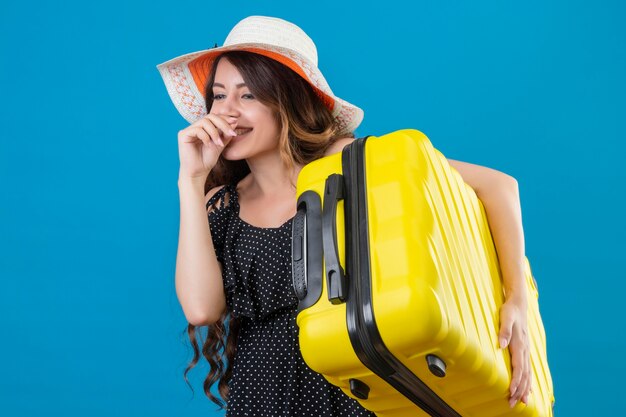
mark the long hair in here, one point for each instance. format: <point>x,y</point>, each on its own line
<point>307,129</point>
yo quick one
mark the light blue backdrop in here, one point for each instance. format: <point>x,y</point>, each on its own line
<point>88,165</point>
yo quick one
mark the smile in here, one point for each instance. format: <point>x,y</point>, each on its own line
<point>242,131</point>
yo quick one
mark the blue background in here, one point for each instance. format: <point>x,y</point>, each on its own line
<point>89,167</point>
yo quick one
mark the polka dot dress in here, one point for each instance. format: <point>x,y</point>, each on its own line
<point>269,378</point>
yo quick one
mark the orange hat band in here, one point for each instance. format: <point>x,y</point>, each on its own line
<point>201,66</point>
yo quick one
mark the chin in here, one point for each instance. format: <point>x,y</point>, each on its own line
<point>231,154</point>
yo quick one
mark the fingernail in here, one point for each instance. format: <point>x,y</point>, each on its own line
<point>502,343</point>
<point>232,132</point>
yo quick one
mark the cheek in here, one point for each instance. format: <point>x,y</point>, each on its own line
<point>265,114</point>
<point>273,122</point>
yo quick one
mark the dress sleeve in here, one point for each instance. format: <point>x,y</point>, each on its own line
<point>219,218</point>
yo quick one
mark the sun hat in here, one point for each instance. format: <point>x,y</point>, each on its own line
<point>185,76</point>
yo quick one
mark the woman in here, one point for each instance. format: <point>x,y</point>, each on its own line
<point>270,112</point>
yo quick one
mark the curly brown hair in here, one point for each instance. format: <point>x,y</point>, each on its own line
<point>307,130</point>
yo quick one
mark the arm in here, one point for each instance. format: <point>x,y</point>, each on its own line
<point>500,197</point>
<point>499,194</point>
<point>199,285</point>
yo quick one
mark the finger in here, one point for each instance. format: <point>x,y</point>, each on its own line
<point>225,130</point>
<point>221,124</point>
<point>516,379</point>
<point>189,134</point>
<point>530,385</point>
<point>524,384</point>
<point>514,388</point>
<point>225,140</point>
<point>204,136</point>
<point>506,329</point>
<point>213,132</point>
<point>526,396</point>
<point>527,370</point>
<point>528,379</point>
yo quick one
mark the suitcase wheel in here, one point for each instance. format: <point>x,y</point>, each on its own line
<point>436,366</point>
<point>359,389</point>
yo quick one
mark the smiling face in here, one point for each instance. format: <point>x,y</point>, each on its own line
<point>255,123</point>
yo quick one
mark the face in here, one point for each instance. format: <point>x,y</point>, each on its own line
<point>254,122</point>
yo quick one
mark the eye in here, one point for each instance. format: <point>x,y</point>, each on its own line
<point>248,96</point>
<point>218,96</point>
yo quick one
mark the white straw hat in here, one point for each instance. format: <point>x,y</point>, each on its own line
<point>185,76</point>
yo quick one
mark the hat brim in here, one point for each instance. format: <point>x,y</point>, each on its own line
<point>185,78</point>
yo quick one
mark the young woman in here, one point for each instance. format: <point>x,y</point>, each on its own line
<point>260,110</point>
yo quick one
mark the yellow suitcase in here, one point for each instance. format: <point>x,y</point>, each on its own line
<point>409,328</point>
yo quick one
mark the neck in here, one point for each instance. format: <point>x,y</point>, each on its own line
<point>270,177</point>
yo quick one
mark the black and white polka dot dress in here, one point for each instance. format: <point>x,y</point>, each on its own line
<point>269,378</point>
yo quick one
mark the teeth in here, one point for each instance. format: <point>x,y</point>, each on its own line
<point>242,131</point>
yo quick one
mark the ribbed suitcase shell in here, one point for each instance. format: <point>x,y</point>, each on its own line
<point>435,287</point>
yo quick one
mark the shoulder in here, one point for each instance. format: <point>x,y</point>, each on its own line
<point>480,177</point>
<point>338,145</point>
<point>212,197</point>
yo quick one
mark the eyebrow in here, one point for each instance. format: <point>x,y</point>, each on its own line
<point>222,85</point>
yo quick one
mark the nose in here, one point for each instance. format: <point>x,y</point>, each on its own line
<point>228,108</point>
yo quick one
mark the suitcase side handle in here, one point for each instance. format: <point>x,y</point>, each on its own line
<point>306,250</point>
<point>335,276</point>
<point>298,256</point>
